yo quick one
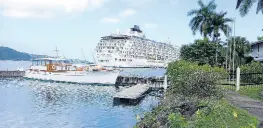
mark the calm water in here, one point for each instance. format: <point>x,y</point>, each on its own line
<point>34,104</point>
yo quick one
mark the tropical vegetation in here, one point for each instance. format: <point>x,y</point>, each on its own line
<point>260,38</point>
<point>240,52</point>
<point>253,67</point>
<point>208,22</point>
<point>202,17</point>
<point>202,52</point>
<point>195,100</point>
<point>245,5</point>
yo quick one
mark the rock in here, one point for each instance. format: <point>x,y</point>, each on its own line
<point>188,108</point>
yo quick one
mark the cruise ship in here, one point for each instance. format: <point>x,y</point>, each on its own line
<point>133,50</point>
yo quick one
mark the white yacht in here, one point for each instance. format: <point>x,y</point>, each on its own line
<point>133,49</point>
<point>59,70</point>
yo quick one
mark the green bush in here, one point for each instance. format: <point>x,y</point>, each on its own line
<point>253,67</point>
<point>191,80</point>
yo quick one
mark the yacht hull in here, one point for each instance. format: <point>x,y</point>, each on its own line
<point>102,77</point>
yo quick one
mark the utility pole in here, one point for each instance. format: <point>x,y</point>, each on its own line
<point>234,45</point>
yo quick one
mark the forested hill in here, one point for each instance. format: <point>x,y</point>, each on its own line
<point>7,53</point>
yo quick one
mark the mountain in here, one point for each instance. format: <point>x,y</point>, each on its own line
<point>7,53</point>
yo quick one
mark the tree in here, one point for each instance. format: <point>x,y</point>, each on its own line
<point>202,16</point>
<point>245,5</point>
<point>202,52</point>
<point>260,38</point>
<point>241,51</point>
<point>219,23</point>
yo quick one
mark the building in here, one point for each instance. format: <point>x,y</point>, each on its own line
<point>257,51</point>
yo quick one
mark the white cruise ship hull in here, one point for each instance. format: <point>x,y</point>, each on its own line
<point>100,77</point>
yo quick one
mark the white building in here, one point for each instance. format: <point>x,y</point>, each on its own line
<point>257,50</point>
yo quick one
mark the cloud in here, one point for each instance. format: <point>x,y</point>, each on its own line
<point>110,20</point>
<point>151,25</point>
<point>127,13</point>
<point>45,8</point>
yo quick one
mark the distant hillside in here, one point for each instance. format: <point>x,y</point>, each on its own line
<point>11,54</point>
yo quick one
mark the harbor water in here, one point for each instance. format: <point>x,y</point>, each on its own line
<point>35,104</point>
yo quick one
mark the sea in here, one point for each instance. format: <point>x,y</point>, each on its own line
<point>36,104</point>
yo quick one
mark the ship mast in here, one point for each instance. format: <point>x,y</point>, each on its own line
<point>56,50</point>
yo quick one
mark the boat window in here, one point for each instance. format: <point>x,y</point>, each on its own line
<point>34,63</point>
<point>47,62</point>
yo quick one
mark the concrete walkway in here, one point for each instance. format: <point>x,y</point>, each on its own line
<point>254,107</point>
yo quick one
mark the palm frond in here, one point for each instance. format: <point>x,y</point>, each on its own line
<point>201,3</point>
<point>226,20</point>
<point>245,6</point>
<point>192,12</point>
<point>195,23</point>
<point>226,30</point>
<point>211,5</point>
<point>260,6</point>
<point>239,3</point>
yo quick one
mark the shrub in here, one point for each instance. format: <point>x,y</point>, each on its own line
<point>253,67</point>
<point>191,80</point>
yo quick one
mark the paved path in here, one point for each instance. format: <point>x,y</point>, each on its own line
<point>254,107</point>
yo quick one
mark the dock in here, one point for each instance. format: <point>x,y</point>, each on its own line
<point>132,94</point>
<point>12,73</point>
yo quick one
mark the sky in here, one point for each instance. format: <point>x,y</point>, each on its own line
<point>76,26</point>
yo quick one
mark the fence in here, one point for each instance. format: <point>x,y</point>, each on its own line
<point>244,80</point>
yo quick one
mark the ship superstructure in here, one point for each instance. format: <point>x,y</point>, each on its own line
<point>133,49</point>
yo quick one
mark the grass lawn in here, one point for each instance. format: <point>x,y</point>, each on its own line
<point>252,91</point>
<point>224,115</point>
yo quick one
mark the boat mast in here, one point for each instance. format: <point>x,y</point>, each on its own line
<point>83,54</point>
<point>93,57</point>
<point>56,50</point>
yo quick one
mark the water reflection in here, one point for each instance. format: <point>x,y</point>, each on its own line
<point>29,104</point>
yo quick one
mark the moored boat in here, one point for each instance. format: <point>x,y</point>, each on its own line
<point>59,70</point>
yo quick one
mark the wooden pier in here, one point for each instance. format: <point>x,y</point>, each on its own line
<point>12,73</point>
<point>132,94</point>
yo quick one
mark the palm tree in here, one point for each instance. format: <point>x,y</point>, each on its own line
<point>245,5</point>
<point>219,23</point>
<point>202,16</point>
<point>242,49</point>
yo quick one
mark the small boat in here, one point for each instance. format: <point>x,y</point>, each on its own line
<point>59,70</point>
